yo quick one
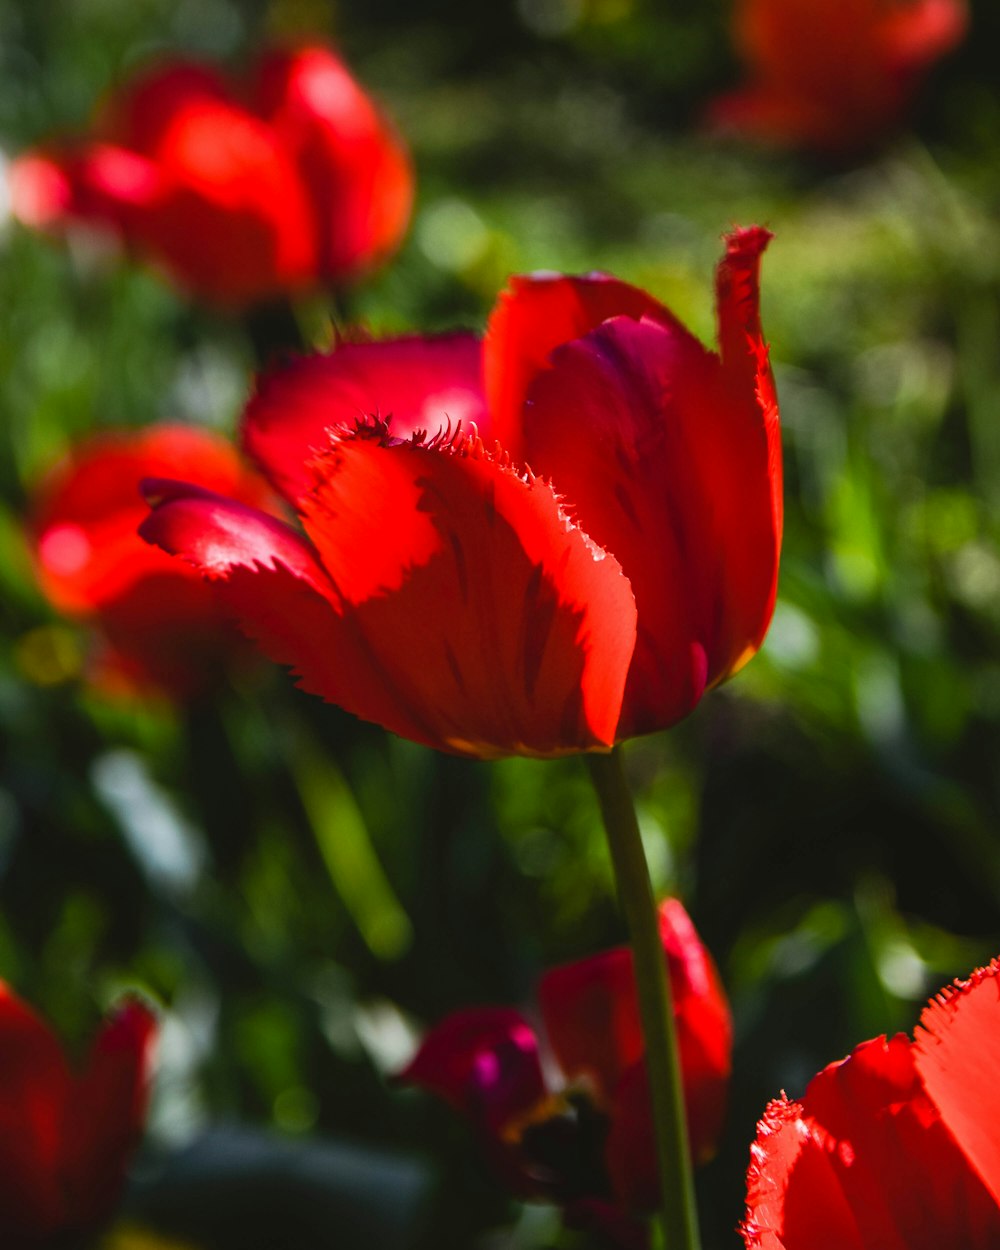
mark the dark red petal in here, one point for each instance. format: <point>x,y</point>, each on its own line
<point>957,1053</point>
<point>414,383</point>
<point>357,169</point>
<point>484,1062</point>
<point>670,458</point>
<point>534,316</point>
<point>34,1089</point>
<point>917,34</point>
<point>875,1167</point>
<point>105,1116</point>
<point>140,115</point>
<point>591,1017</point>
<point>495,621</point>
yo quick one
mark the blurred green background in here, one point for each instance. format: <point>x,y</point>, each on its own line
<point>304,894</point>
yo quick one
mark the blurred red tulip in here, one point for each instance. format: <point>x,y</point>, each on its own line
<point>896,1147</point>
<point>585,1142</point>
<point>160,626</point>
<point>461,599</point>
<point>833,75</point>
<point>238,200</point>
<point>65,1138</point>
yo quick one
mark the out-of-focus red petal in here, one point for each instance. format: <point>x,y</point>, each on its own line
<point>670,458</point>
<point>833,74</point>
<point>484,1061</point>
<point>413,383</point>
<point>87,511</point>
<point>35,1083</point>
<point>141,114</point>
<point>875,1166</point>
<point>356,167</point>
<point>591,1016</point>
<point>591,1019</point>
<point>105,1116</point>
<point>957,1053</point>
<point>534,316</point>
<point>101,184</point>
<point>495,621</point>
<point>234,222</point>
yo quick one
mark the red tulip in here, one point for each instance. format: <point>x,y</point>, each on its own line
<point>833,75</point>
<point>459,598</point>
<point>585,1141</point>
<point>238,200</point>
<point>896,1147</point>
<point>66,1138</point>
<point>161,627</point>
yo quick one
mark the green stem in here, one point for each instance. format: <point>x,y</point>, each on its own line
<point>635,892</point>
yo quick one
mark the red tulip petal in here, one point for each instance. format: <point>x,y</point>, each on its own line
<point>234,222</point>
<point>269,578</point>
<point>918,34</point>
<point>494,620</point>
<point>105,1118</point>
<point>87,511</point>
<point>957,1053</point>
<point>415,383</point>
<point>534,316</point>
<point>143,112</point>
<point>35,1089</point>
<point>875,1166</point>
<point>356,167</point>
<point>101,184</point>
<point>484,1062</point>
<point>670,458</point>
<point>591,1017</point>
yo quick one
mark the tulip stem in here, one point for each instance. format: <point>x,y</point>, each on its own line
<point>635,892</point>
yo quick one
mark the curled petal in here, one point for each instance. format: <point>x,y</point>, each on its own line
<point>957,1053</point>
<point>533,317</point>
<point>670,458</point>
<point>497,623</point>
<point>411,383</point>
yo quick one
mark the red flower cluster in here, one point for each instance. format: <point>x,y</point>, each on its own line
<point>586,1144</point>
<point>896,1147</point>
<point>461,599</point>
<point>160,626</point>
<point>239,198</point>
<point>65,1139</point>
<point>833,75</point>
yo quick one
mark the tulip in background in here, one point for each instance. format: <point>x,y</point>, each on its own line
<point>239,195</point>
<point>452,594</point>
<point>159,626</point>
<point>896,1147</point>
<point>586,1142</point>
<point>67,1138</point>
<point>833,75</point>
